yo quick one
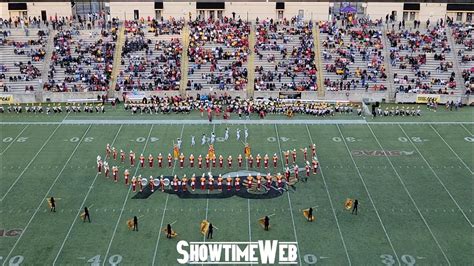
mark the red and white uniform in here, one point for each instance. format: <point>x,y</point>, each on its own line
<point>134,184</point>
<point>258,159</point>
<point>315,166</point>
<point>279,181</point>
<point>160,160</point>
<point>200,161</point>
<point>219,183</point>
<point>287,155</point>
<point>269,181</point>
<point>132,158</point>
<point>239,159</point>
<point>211,183</point>
<point>170,161</point>
<point>265,161</point>
<point>114,153</point>
<point>293,154</point>
<point>181,161</point>
<point>313,149</point>
<point>229,183</point>
<point>184,183</point>
<point>162,183</point>
<point>191,160</point>
<point>152,184</point>
<point>221,161</point>
<point>237,183</point>
<point>126,174</point>
<point>150,161</point>
<point>249,181</point>
<point>115,173</point>
<point>193,183</point>
<point>214,161</point>
<point>122,156</point>
<point>175,183</point>
<point>107,151</point>
<point>142,161</point>
<point>287,174</point>
<point>140,183</point>
<point>259,182</point>
<point>203,182</point>
<point>305,153</point>
<point>229,161</point>
<point>106,169</point>
<point>308,170</point>
<point>99,165</point>
<point>275,160</point>
<point>295,171</point>
<point>207,161</point>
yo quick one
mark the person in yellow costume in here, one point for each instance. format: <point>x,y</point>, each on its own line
<point>176,151</point>
<point>247,150</point>
<point>211,151</point>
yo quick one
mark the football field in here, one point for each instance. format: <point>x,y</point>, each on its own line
<point>412,176</point>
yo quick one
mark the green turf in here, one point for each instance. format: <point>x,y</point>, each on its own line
<point>411,210</point>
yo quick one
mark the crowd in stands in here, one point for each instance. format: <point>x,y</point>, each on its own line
<point>151,55</point>
<point>285,58</point>
<point>353,54</point>
<point>463,41</point>
<point>217,53</point>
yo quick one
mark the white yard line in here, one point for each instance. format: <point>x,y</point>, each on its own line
<point>210,168</point>
<point>164,209</point>
<point>408,193</point>
<point>45,196</point>
<point>14,140</point>
<point>330,202</point>
<point>465,128</point>
<point>125,201</point>
<point>31,161</point>
<point>369,195</point>
<point>288,194</point>
<point>459,158</point>
<point>82,204</point>
<point>437,177</point>
<point>248,200</point>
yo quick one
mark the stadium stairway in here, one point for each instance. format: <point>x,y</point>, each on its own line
<point>251,63</point>
<point>184,59</point>
<point>388,67</point>
<point>457,69</point>
<point>49,51</point>
<point>117,58</point>
<point>319,65</point>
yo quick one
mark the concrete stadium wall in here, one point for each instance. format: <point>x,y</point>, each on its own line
<point>61,9</point>
<point>377,10</point>
<point>432,11</point>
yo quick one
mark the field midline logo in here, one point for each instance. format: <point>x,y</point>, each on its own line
<point>381,153</point>
<point>260,252</point>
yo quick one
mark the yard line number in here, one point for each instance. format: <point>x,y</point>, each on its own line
<point>113,260</point>
<point>282,139</point>
<point>15,261</point>
<point>86,139</point>
<point>10,139</point>
<point>414,139</point>
<point>348,139</point>
<point>142,139</point>
<point>388,259</point>
<point>468,139</point>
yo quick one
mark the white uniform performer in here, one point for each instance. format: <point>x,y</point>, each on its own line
<point>193,142</point>
<point>238,133</point>
<point>226,134</point>
<point>203,139</point>
<point>246,132</point>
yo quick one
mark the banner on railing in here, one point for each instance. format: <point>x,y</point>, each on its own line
<point>424,98</point>
<point>6,98</point>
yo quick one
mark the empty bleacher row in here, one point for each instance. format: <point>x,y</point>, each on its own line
<point>284,56</point>
<point>355,55</point>
<point>151,56</point>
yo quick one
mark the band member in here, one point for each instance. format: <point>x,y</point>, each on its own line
<point>258,159</point>
<point>152,184</point>
<point>219,182</point>
<point>229,161</point>
<point>135,223</point>
<point>310,213</point>
<point>107,151</point>
<point>191,160</point>
<point>140,183</point>
<point>160,160</point>
<point>266,223</point>
<point>279,180</point>
<point>170,160</point>
<point>354,208</point>
<point>162,183</point>
<point>249,181</point>
<point>210,229</point>
<point>115,173</point>
<point>193,182</point>
<point>106,169</point>
<point>265,161</point>
<point>142,160</point>
<point>305,153</point>
<point>86,215</point>
<point>293,154</point>
<point>275,160</point>
<point>169,232</point>
<point>134,184</point>
<point>259,182</point>
<point>239,159</point>
<point>269,181</point>
<point>207,160</point>
<point>181,160</point>
<point>175,183</point>
<point>150,160</point>
<point>229,183</point>
<point>114,153</point>
<point>203,182</point>
<point>221,161</point>
<point>184,184</point>
<point>52,204</point>
<point>250,161</point>
<point>213,158</point>
<point>200,161</point>
<point>122,156</point>
<point>287,174</point>
<point>295,171</point>
<point>99,164</point>
<point>237,183</point>
<point>211,183</point>
<point>126,174</point>
<point>132,158</point>
<point>313,149</point>
<point>315,166</point>
<point>287,155</point>
<point>308,169</point>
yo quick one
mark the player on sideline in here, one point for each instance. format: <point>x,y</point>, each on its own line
<point>354,208</point>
